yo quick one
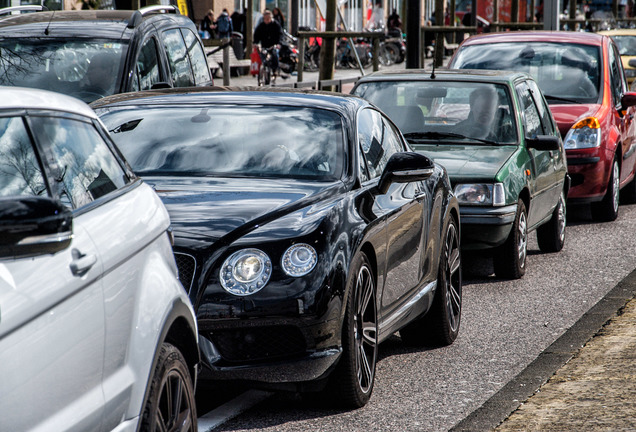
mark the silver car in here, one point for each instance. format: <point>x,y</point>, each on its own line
<point>96,331</point>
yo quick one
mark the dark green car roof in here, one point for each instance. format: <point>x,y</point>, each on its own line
<point>493,76</point>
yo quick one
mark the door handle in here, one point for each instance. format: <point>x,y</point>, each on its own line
<point>81,263</point>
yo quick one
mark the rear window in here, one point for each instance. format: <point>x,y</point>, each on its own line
<point>564,72</point>
<point>85,69</point>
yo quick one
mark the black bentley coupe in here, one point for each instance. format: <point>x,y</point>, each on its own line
<point>306,230</point>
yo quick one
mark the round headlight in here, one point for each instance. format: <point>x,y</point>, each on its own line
<point>245,272</point>
<point>299,260</point>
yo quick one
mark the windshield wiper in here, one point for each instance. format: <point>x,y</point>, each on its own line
<point>557,98</point>
<point>438,135</point>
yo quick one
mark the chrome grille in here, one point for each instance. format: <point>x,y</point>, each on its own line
<point>186,264</point>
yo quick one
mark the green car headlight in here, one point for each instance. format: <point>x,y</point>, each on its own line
<point>245,272</point>
<point>480,194</point>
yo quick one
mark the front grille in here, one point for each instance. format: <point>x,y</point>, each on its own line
<point>258,344</point>
<point>186,264</point>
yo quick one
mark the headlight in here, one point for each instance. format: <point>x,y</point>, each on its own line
<point>245,272</point>
<point>299,260</point>
<point>584,134</point>
<point>481,194</point>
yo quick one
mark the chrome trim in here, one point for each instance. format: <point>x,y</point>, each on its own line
<point>47,238</point>
<point>159,8</point>
<point>386,323</point>
<point>32,8</point>
<point>416,172</point>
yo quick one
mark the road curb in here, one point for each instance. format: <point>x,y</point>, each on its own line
<point>496,409</point>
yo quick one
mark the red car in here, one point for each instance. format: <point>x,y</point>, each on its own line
<point>582,78</point>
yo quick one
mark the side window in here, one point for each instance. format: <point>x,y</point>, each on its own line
<point>530,113</point>
<point>377,141</point>
<point>20,172</point>
<point>82,163</point>
<point>197,57</point>
<point>178,58</point>
<point>147,66</point>
<point>544,110</point>
<point>616,76</point>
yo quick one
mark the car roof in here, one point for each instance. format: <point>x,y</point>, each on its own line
<point>585,38</point>
<point>27,98</point>
<point>231,95</point>
<point>487,75</point>
<point>80,23</point>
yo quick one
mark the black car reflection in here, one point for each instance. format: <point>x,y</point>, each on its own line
<point>306,231</point>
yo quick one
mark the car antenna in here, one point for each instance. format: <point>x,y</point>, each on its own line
<point>46,30</point>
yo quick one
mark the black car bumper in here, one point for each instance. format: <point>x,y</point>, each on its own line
<point>486,227</point>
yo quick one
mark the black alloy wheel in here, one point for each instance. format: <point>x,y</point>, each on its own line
<point>551,235</point>
<point>440,326</point>
<point>170,406</point>
<point>351,384</point>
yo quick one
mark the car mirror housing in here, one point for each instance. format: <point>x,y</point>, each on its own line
<point>33,226</point>
<point>543,142</point>
<point>628,99</point>
<point>632,63</point>
<point>404,168</point>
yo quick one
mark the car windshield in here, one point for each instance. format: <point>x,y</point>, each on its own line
<point>564,72</point>
<point>85,69</point>
<point>440,111</point>
<point>626,45</point>
<point>254,141</point>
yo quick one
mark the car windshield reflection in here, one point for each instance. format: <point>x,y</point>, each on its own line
<point>84,69</point>
<point>230,141</point>
<point>566,71</point>
<point>446,111</point>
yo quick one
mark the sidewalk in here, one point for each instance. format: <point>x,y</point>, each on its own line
<point>585,381</point>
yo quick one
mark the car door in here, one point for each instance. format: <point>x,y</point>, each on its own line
<point>401,210</point>
<point>540,179</point>
<point>622,119</point>
<point>51,306</point>
<point>147,67</point>
<point>558,169</point>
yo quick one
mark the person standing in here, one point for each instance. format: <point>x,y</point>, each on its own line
<point>224,25</point>
<point>277,14</point>
<point>208,26</point>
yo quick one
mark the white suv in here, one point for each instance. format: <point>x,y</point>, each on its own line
<point>96,331</point>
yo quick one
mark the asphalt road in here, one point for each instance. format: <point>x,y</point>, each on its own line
<point>505,326</point>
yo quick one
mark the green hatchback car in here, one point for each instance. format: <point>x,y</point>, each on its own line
<point>494,133</point>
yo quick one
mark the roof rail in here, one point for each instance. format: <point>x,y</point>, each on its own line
<point>32,8</point>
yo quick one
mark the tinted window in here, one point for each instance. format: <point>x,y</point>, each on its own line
<point>570,71</point>
<point>377,141</point>
<point>626,45</point>
<point>20,173</point>
<point>85,69</point>
<point>82,163</point>
<point>147,66</point>
<point>544,110</point>
<point>264,141</point>
<point>531,116</point>
<point>178,59</point>
<point>197,57</point>
<point>616,75</point>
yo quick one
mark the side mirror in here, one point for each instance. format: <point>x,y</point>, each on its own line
<point>628,99</point>
<point>33,226</point>
<point>405,167</point>
<point>632,62</point>
<point>543,142</point>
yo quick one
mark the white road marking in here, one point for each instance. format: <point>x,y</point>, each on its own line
<point>231,409</point>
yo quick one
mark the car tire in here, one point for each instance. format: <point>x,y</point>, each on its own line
<point>551,235</point>
<point>351,383</point>
<point>606,210</point>
<point>510,258</point>
<point>440,326</point>
<point>170,381</point>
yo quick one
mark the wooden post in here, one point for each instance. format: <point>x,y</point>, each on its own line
<point>301,58</point>
<point>226,63</point>
<point>414,34</point>
<point>495,15</point>
<point>514,11</point>
<point>328,49</point>
<point>439,36</point>
<point>249,27</point>
<point>376,53</point>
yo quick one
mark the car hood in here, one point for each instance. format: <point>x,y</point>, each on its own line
<point>206,210</point>
<point>568,114</point>
<point>463,162</point>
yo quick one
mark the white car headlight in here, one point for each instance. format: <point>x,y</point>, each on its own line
<point>584,134</point>
<point>299,260</point>
<point>245,272</point>
<point>481,194</point>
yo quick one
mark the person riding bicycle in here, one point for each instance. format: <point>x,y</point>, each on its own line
<point>270,35</point>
